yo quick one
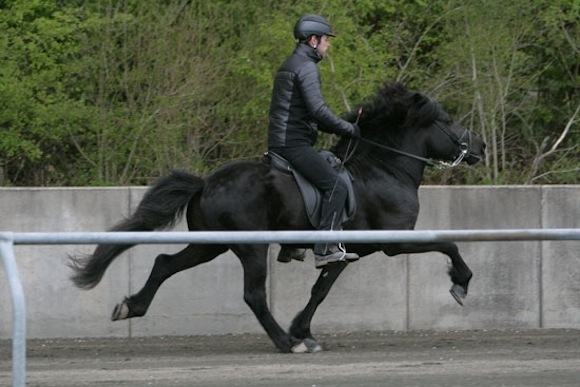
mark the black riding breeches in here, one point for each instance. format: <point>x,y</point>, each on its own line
<point>318,171</point>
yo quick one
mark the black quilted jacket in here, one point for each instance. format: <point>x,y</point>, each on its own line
<point>297,109</point>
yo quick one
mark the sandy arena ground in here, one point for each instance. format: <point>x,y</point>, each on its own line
<point>459,358</point>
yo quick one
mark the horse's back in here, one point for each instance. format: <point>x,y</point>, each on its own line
<point>247,195</point>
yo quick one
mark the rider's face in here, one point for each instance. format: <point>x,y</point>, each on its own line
<point>323,45</point>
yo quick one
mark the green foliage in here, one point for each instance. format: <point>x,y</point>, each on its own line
<point>37,41</point>
<point>120,92</point>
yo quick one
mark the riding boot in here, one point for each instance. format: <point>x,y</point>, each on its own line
<point>331,253</point>
<point>330,219</point>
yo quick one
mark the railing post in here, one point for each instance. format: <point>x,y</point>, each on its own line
<point>18,310</point>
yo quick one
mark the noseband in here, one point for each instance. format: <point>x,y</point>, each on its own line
<point>463,146</point>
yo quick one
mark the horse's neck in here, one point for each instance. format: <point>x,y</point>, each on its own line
<point>408,171</point>
<point>387,165</point>
<point>394,168</point>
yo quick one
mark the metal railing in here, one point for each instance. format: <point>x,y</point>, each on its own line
<point>9,239</point>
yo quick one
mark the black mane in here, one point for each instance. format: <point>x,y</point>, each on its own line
<point>397,105</point>
<point>392,109</point>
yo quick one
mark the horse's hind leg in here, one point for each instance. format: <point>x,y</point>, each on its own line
<point>165,266</point>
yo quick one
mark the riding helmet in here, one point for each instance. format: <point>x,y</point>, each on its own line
<point>309,25</point>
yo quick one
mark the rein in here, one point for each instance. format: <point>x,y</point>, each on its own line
<point>438,164</point>
<point>429,162</point>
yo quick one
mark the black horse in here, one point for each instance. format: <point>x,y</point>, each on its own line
<point>402,131</point>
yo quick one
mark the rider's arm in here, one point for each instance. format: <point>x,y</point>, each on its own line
<point>309,83</point>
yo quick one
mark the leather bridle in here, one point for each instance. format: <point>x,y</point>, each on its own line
<point>458,140</point>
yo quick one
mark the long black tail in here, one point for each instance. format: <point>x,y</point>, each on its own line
<point>161,207</point>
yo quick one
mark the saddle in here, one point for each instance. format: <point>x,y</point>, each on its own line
<point>310,194</point>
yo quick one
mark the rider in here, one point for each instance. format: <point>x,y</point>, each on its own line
<point>297,112</point>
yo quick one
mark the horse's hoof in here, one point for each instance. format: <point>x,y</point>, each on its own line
<point>306,346</point>
<point>121,312</point>
<point>458,292</point>
<point>312,345</point>
<point>299,348</point>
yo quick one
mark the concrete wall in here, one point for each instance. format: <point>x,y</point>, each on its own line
<point>515,285</point>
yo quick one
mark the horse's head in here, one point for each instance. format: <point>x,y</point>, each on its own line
<point>409,123</point>
<point>444,139</point>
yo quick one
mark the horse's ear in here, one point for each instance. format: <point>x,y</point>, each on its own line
<point>419,111</point>
<point>420,100</point>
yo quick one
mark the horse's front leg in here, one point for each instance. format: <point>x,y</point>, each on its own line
<point>300,327</point>
<point>254,262</point>
<point>459,272</point>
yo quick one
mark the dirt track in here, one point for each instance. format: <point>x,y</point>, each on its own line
<point>469,358</point>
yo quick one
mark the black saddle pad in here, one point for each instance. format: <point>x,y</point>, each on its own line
<point>310,194</point>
